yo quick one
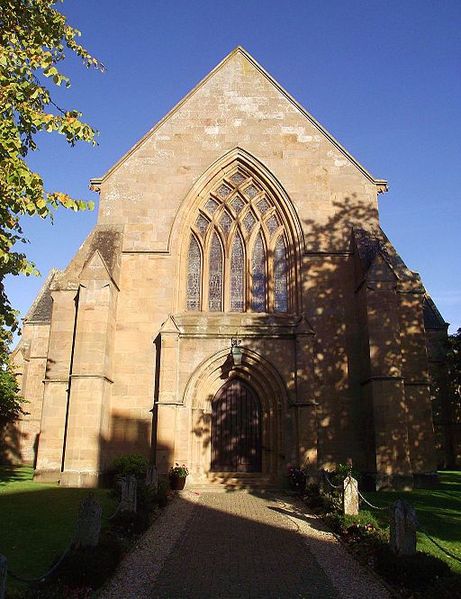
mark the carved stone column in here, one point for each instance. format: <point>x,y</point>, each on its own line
<point>167,395</point>
<point>306,406</point>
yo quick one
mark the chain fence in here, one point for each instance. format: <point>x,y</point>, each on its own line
<point>445,551</point>
<point>43,577</point>
<point>324,476</point>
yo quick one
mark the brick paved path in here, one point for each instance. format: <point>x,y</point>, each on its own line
<point>239,545</point>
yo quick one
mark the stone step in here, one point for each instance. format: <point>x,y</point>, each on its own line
<point>232,481</point>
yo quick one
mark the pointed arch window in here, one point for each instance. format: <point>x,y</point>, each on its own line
<point>280,276</point>
<point>194,275</point>
<point>258,276</point>
<point>237,275</point>
<point>238,255</point>
<point>215,284</point>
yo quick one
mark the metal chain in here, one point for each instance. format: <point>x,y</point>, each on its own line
<point>375,507</point>
<point>329,482</point>
<point>117,509</point>
<point>44,576</point>
<point>448,553</point>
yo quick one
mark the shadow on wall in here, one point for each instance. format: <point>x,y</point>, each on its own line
<point>11,441</point>
<point>126,435</point>
<point>366,310</point>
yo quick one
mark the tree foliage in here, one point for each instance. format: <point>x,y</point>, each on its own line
<point>11,404</point>
<point>34,39</point>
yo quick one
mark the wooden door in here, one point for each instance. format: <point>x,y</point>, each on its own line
<point>236,429</point>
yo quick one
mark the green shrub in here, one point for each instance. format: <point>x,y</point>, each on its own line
<point>129,524</point>
<point>414,572</point>
<point>130,464</point>
<point>161,497</point>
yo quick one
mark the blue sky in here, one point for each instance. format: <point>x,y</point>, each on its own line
<point>384,77</point>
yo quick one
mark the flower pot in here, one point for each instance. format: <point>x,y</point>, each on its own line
<point>177,483</point>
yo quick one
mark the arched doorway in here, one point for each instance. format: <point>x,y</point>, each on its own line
<point>236,429</point>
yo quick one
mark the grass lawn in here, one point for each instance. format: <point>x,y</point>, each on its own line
<point>438,512</point>
<point>38,520</point>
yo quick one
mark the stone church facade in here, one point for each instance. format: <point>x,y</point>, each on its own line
<point>236,308</point>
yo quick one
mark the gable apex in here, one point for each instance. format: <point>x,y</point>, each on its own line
<point>239,51</point>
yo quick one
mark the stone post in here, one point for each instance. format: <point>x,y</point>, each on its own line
<point>88,523</point>
<point>129,500</point>
<point>350,496</point>
<point>403,528</point>
<point>3,574</point>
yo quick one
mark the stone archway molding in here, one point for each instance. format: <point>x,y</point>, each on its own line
<point>256,370</point>
<point>204,384</point>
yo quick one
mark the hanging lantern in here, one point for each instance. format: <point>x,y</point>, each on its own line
<point>236,352</point>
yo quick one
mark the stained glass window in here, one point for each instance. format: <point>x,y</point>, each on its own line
<point>280,277</point>
<point>226,222</point>
<point>251,191</point>
<point>237,204</point>
<point>223,190</point>
<point>272,224</point>
<point>249,221</point>
<point>258,271</point>
<point>263,206</point>
<point>194,275</point>
<point>237,275</point>
<point>215,276</point>
<point>202,224</point>
<point>237,223</point>
<point>211,206</point>
<point>237,179</point>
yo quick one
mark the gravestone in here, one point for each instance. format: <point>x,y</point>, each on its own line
<point>88,523</point>
<point>403,526</point>
<point>3,574</point>
<point>128,502</point>
<point>350,496</point>
<point>152,478</point>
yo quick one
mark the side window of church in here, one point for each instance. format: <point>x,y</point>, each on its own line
<point>237,256</point>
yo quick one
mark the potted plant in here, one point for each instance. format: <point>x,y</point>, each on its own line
<point>297,479</point>
<point>178,475</point>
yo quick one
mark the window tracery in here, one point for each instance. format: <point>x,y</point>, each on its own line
<point>238,247</point>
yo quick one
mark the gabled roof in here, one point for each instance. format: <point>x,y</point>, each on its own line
<point>40,310</point>
<point>432,317</point>
<point>380,183</point>
<point>372,245</point>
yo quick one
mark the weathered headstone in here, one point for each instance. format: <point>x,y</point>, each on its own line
<point>129,500</point>
<point>3,574</point>
<point>88,523</point>
<point>350,496</point>
<point>403,526</point>
<point>152,478</point>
